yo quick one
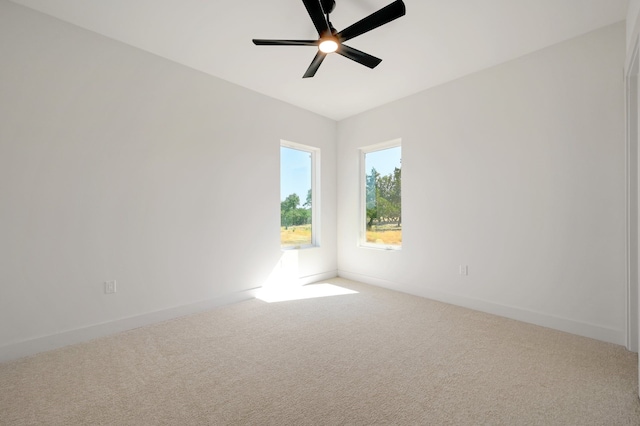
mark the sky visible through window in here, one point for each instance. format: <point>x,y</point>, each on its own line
<point>385,161</point>
<point>295,173</point>
<point>295,169</point>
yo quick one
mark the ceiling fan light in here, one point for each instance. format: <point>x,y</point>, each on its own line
<point>328,46</point>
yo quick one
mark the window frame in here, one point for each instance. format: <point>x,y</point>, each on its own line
<point>315,192</point>
<point>362,235</point>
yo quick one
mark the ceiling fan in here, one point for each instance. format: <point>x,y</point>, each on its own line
<point>330,40</point>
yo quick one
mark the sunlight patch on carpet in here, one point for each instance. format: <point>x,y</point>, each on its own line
<point>312,291</point>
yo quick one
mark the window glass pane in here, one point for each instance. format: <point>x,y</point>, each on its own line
<point>295,197</point>
<point>383,200</point>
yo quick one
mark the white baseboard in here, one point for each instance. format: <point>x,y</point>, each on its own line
<point>58,340</point>
<point>65,338</point>
<point>46,343</point>
<point>579,328</point>
<point>317,277</point>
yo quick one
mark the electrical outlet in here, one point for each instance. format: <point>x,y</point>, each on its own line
<point>109,287</point>
<point>464,270</point>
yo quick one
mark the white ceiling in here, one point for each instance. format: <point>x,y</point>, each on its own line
<point>435,42</point>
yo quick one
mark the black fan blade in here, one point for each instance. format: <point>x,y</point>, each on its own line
<point>315,64</point>
<point>317,16</point>
<point>358,56</point>
<point>262,42</point>
<point>373,21</point>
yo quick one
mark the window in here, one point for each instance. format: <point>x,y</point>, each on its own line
<point>298,195</point>
<point>381,213</point>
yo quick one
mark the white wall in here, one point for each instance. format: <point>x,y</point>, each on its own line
<point>633,162</point>
<point>633,24</point>
<point>116,164</point>
<point>517,171</point>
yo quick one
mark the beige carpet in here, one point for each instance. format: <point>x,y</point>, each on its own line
<point>375,357</point>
